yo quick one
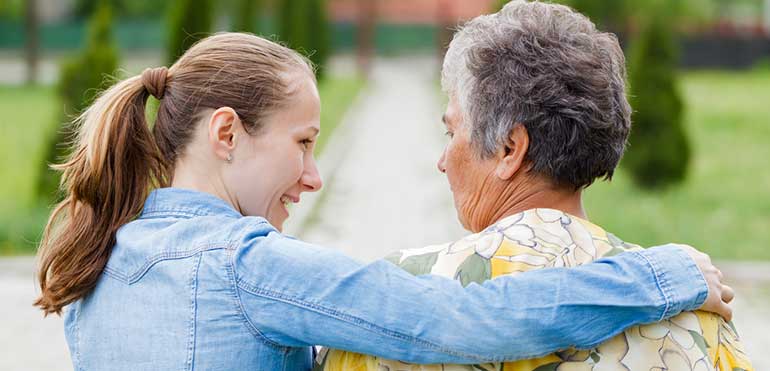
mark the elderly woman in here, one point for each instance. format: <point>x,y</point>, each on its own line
<point>537,112</point>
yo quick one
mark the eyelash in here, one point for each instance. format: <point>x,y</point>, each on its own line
<point>306,143</point>
<point>449,134</point>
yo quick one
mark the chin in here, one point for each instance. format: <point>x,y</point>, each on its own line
<point>278,224</point>
<point>463,221</point>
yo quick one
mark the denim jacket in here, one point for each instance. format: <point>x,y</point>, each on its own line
<point>192,284</point>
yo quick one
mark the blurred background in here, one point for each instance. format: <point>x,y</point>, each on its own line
<point>696,171</point>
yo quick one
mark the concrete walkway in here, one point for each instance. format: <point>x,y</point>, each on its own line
<point>382,193</point>
<point>28,342</point>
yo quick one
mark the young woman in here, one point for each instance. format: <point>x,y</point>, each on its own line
<point>196,275</point>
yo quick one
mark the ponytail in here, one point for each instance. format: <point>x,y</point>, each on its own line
<point>106,180</point>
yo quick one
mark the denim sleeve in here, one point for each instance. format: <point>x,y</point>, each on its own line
<point>298,294</point>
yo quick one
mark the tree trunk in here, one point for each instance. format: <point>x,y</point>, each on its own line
<point>447,22</point>
<point>367,21</point>
<point>32,42</point>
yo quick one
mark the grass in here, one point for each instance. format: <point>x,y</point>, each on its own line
<point>723,207</point>
<point>27,115</point>
<point>336,96</point>
<point>27,120</point>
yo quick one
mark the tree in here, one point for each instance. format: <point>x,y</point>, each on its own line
<point>81,79</point>
<point>304,27</point>
<point>659,150</point>
<point>245,16</point>
<point>189,21</point>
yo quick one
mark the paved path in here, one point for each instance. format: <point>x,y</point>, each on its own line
<point>383,191</point>
<point>28,342</point>
<point>384,194</point>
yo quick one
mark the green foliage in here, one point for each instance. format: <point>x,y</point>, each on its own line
<point>85,75</point>
<point>304,27</point>
<point>605,13</point>
<point>762,65</point>
<point>122,8</point>
<point>11,9</point>
<point>659,151</point>
<point>81,79</point>
<point>617,15</point>
<point>245,16</point>
<point>189,21</point>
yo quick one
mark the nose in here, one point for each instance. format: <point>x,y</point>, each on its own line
<point>311,178</point>
<point>442,162</point>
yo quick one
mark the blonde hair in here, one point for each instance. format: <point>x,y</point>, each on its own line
<point>117,159</point>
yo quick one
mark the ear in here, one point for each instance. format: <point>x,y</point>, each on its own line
<point>223,128</point>
<point>511,156</point>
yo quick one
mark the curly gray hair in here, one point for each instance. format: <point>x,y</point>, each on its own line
<point>548,68</point>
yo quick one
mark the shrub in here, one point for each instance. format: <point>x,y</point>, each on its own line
<point>81,79</point>
<point>659,151</point>
<point>304,27</point>
<point>245,16</point>
<point>188,22</point>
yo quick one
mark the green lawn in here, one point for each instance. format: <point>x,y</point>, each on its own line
<point>27,119</point>
<point>724,206</point>
<point>336,96</point>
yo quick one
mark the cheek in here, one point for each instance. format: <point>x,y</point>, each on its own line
<point>251,187</point>
<point>456,163</point>
<point>287,167</point>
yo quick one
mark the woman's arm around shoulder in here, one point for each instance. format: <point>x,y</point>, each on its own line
<point>298,294</point>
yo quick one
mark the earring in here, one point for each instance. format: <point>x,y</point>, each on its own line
<point>229,158</point>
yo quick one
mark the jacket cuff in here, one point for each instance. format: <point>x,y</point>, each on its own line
<point>679,280</point>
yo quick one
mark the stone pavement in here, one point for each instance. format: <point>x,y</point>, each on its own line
<point>382,193</point>
<point>28,342</point>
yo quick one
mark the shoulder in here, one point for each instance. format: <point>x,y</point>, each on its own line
<point>146,241</point>
<point>535,238</point>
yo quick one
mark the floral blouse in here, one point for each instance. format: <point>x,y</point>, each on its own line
<point>541,238</point>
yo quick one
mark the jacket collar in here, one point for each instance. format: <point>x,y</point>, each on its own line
<point>185,203</point>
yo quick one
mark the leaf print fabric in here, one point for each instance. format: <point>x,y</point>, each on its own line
<point>543,238</point>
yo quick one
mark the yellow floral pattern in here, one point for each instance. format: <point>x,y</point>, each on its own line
<point>540,238</point>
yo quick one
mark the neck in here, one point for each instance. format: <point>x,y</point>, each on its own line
<point>531,193</point>
<point>187,177</point>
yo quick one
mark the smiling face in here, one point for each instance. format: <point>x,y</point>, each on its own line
<point>271,169</point>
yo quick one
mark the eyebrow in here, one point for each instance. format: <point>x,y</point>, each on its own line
<point>443,119</point>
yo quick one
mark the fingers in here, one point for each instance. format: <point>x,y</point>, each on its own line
<point>719,294</point>
<point>727,294</point>
<point>725,311</point>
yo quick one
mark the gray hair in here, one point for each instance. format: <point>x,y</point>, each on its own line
<point>548,68</point>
